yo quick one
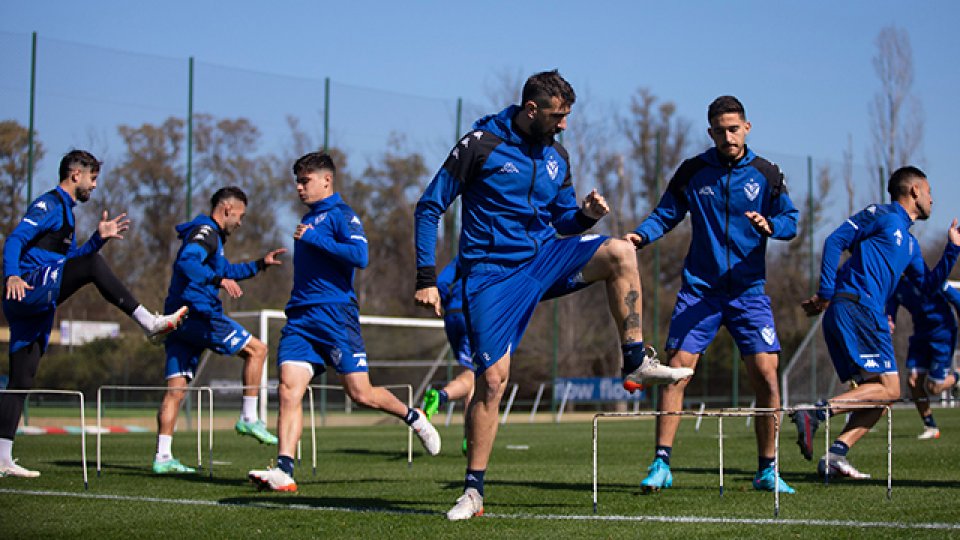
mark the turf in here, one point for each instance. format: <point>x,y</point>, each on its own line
<point>363,487</point>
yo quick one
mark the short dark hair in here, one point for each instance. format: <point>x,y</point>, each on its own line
<point>78,158</point>
<point>227,193</point>
<point>901,180</point>
<point>314,161</point>
<point>724,105</point>
<point>542,86</point>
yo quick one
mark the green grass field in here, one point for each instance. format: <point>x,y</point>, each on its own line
<point>363,487</point>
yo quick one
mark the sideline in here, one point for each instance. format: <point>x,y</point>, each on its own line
<point>541,517</point>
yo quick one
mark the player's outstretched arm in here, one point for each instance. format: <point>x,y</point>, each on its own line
<point>113,227</point>
<point>272,258</point>
<point>17,288</point>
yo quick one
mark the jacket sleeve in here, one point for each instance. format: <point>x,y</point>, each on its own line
<point>893,304</point>
<point>191,262</point>
<point>93,244</point>
<point>673,205</point>
<point>783,216</point>
<point>39,219</point>
<point>348,244</point>
<point>927,280</point>
<point>952,296</point>
<point>241,271</point>
<point>853,230</point>
<point>462,165</point>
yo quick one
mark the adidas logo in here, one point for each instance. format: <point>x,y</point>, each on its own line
<point>706,190</point>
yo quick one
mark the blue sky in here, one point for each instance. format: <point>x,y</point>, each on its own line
<point>803,69</point>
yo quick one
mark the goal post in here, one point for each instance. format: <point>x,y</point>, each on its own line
<point>406,325</point>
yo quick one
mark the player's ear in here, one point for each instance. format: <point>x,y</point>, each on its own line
<point>530,108</point>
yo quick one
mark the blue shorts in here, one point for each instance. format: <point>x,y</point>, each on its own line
<point>456,328</point>
<point>499,302</point>
<point>858,339</point>
<point>931,356</point>
<point>696,320</point>
<point>31,319</point>
<point>324,334</point>
<point>219,333</point>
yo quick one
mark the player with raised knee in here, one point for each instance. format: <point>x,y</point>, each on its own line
<point>517,197</point>
<point>934,339</point>
<point>737,201</point>
<point>855,323</point>
<point>42,267</point>
<point>323,319</point>
<point>200,271</point>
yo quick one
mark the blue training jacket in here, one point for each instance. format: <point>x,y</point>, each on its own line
<point>326,255</point>
<point>515,194</point>
<point>932,317</point>
<point>882,249</point>
<point>727,255</point>
<point>45,236</point>
<point>199,267</point>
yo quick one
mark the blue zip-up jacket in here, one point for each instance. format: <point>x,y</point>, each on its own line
<point>932,317</point>
<point>881,249</point>
<point>727,255</point>
<point>449,288</point>
<point>45,236</point>
<point>326,255</point>
<point>516,195</point>
<point>200,266</point>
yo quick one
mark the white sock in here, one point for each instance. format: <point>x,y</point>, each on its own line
<point>164,442</point>
<point>6,451</point>
<point>249,411</point>
<point>144,318</point>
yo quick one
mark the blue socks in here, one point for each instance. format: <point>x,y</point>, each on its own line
<point>444,398</point>
<point>663,452</point>
<point>474,479</point>
<point>822,413</point>
<point>286,464</point>
<point>929,421</point>
<point>764,462</point>
<point>633,355</point>
<point>839,448</point>
<point>411,417</point>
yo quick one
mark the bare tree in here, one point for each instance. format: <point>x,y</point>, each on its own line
<point>896,115</point>
<point>14,153</point>
<point>848,174</point>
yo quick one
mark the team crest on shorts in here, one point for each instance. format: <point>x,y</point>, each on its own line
<point>768,334</point>
<point>336,355</point>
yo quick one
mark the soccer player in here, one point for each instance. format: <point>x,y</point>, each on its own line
<point>323,319</point>
<point>855,325</point>
<point>517,197</point>
<point>42,267</point>
<point>461,387</point>
<point>737,201</point>
<point>930,353</point>
<point>199,272</point>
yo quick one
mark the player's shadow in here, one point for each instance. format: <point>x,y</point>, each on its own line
<point>391,456</point>
<point>280,501</point>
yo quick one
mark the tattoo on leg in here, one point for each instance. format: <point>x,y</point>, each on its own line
<point>632,320</point>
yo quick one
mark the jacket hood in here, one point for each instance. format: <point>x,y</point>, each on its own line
<point>202,219</point>
<point>713,157</point>
<point>501,125</point>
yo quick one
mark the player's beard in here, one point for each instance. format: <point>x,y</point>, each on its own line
<point>542,134</point>
<point>83,195</point>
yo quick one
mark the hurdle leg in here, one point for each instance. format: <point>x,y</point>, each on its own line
<point>98,430</point>
<point>83,441</point>
<point>595,418</point>
<point>720,438</point>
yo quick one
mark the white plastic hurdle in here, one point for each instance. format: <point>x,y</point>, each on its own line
<point>714,414</point>
<point>198,389</point>
<point>313,423</point>
<point>83,420</point>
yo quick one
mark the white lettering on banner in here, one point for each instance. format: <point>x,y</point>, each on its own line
<point>593,389</point>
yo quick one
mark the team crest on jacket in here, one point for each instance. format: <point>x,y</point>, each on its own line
<point>768,334</point>
<point>752,189</point>
<point>553,168</point>
<point>899,236</point>
<point>320,218</point>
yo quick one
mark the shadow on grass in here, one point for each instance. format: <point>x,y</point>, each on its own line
<point>281,501</point>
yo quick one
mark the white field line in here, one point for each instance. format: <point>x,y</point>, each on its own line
<point>541,517</point>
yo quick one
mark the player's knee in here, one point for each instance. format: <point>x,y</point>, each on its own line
<point>256,349</point>
<point>623,255</point>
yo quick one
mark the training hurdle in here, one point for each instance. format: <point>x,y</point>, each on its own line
<point>83,420</point>
<point>198,389</point>
<point>313,422</point>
